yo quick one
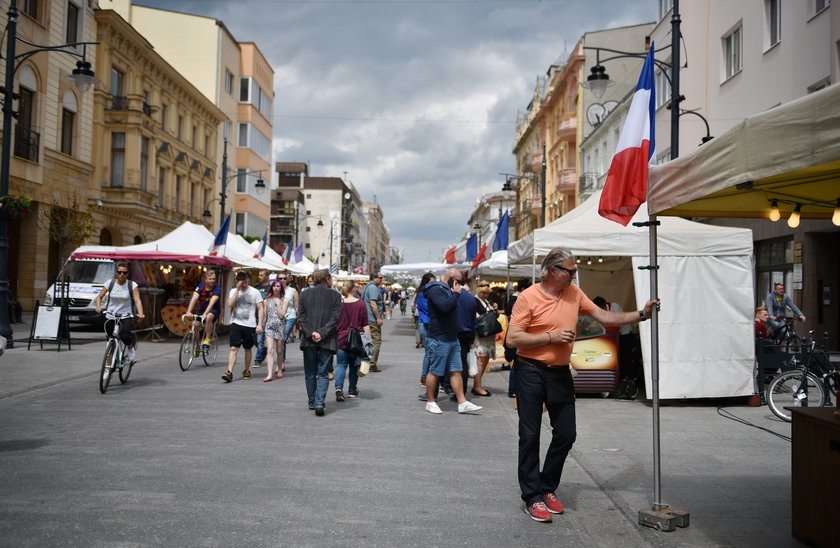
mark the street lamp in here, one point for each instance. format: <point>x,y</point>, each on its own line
<point>83,77</point>
<point>541,180</point>
<point>259,185</point>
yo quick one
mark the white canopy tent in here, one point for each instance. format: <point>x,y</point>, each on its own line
<point>705,284</point>
<point>303,268</point>
<point>498,267</point>
<point>418,269</point>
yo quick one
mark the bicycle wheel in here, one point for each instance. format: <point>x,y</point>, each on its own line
<point>105,371</point>
<point>125,370</point>
<point>187,353</point>
<point>209,353</point>
<point>787,390</point>
<point>793,344</point>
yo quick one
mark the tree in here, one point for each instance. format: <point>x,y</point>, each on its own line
<point>67,226</point>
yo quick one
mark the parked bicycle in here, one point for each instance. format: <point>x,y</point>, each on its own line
<point>192,346</point>
<point>114,359</point>
<point>787,338</point>
<point>811,384</point>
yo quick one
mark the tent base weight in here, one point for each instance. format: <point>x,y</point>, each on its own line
<point>664,519</point>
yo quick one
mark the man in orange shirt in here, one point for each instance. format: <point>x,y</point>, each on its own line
<point>542,329</point>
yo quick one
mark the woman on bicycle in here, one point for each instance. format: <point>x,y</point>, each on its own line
<point>275,328</point>
<point>123,299</point>
<point>207,296</point>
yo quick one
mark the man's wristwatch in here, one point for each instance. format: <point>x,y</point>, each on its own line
<point>642,316</point>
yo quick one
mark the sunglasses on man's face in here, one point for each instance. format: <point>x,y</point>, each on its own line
<point>123,272</point>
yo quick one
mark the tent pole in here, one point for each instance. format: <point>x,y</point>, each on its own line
<point>654,362</point>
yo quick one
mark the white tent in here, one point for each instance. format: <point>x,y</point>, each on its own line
<point>705,284</point>
<point>418,269</point>
<point>302,268</point>
<point>194,239</point>
<point>497,266</point>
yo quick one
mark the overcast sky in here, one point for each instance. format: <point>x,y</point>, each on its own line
<point>416,100</point>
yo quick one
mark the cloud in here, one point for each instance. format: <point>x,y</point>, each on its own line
<point>415,100</point>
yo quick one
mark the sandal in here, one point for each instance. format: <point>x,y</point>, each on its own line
<point>279,374</point>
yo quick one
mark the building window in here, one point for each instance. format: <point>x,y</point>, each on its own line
<point>309,229</point>
<point>117,159</point>
<point>180,128</point>
<point>664,7</point>
<point>243,135</point>
<point>144,162</point>
<point>178,193</point>
<point>773,11</point>
<point>241,180</point>
<point>663,87</point>
<point>117,82</point>
<point>161,185</point>
<point>732,53</point>
<point>228,82</point>
<point>239,224</point>
<point>206,145</point>
<point>30,8</point>
<point>72,34</point>
<point>820,5</point>
<point>193,191</point>
<point>164,111</point>
<point>307,245</point>
<point>67,120</point>
<point>244,89</point>
<point>194,141</point>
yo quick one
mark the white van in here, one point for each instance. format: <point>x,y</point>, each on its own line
<point>85,279</point>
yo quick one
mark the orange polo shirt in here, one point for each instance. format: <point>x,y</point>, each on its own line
<point>536,312</point>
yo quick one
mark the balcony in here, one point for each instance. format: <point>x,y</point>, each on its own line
<point>27,143</point>
<point>119,102</point>
<point>567,127</point>
<point>566,180</point>
<point>534,206</point>
<point>533,162</point>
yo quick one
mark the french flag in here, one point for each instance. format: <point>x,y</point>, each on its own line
<point>261,253</point>
<point>457,253</point>
<point>626,187</point>
<point>221,238</point>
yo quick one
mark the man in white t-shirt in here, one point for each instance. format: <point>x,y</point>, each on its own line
<point>247,319</point>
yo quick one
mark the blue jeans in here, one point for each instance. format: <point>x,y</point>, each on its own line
<point>346,360</point>
<point>290,325</point>
<point>317,363</point>
<point>261,350</point>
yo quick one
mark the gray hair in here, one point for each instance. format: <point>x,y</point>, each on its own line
<point>555,257</point>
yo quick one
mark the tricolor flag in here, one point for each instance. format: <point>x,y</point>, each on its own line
<point>497,240</point>
<point>626,187</point>
<point>261,253</point>
<point>287,255</point>
<point>457,253</point>
<point>297,255</point>
<point>221,237</point>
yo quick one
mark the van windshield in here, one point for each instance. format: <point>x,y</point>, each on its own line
<point>89,272</point>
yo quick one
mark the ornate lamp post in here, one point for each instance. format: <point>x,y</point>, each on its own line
<point>83,77</point>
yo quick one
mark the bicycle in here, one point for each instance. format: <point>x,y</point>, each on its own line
<point>809,385</point>
<point>113,360</point>
<point>787,338</point>
<point>192,345</point>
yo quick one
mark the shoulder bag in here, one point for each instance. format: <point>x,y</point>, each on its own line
<point>488,323</point>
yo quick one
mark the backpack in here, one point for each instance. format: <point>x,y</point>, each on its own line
<point>131,286</point>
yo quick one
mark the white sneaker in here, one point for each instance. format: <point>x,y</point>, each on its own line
<point>432,407</point>
<point>130,354</point>
<point>468,407</point>
<point>106,374</point>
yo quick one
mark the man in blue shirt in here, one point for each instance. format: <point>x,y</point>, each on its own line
<point>373,299</point>
<point>442,341</point>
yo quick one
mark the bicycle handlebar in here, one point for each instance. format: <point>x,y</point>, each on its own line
<point>110,316</point>
<point>200,317</point>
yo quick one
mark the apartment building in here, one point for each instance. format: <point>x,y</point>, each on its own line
<point>239,80</point>
<point>52,149</point>
<point>379,238</point>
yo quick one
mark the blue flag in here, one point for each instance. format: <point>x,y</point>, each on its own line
<point>472,247</point>
<point>502,233</point>
<point>221,237</point>
<point>298,254</point>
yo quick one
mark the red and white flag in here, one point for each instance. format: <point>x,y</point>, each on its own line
<point>626,187</point>
<point>457,253</point>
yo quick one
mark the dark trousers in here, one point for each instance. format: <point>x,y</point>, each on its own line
<point>530,396</point>
<point>466,340</point>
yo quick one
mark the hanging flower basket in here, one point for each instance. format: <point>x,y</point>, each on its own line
<point>14,206</point>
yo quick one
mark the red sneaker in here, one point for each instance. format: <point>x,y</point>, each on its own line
<point>554,506</point>
<point>538,512</point>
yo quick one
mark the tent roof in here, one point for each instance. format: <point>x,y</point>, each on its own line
<point>302,268</point>
<point>585,232</point>
<point>791,152</point>
<point>91,252</point>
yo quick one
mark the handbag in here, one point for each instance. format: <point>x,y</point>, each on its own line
<point>488,324</point>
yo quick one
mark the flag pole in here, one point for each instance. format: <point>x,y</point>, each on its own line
<point>654,362</point>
